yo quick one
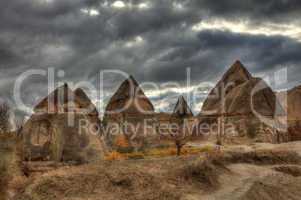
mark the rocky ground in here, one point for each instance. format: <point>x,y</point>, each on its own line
<point>258,171</point>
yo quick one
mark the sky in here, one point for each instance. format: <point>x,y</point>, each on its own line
<point>157,41</point>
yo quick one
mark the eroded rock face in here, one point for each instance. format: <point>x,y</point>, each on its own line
<point>236,75</point>
<point>60,127</point>
<point>239,95</point>
<point>130,110</point>
<point>5,157</point>
<point>291,102</point>
<point>129,99</point>
<point>182,109</point>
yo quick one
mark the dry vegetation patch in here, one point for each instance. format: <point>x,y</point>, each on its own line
<point>204,173</point>
<point>158,153</point>
<point>170,177</point>
<point>274,187</point>
<point>289,169</point>
<point>107,181</point>
<point>262,157</point>
<point>7,165</point>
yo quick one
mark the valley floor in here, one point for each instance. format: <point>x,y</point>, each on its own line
<point>258,171</point>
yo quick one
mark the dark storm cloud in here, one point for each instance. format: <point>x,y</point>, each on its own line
<point>6,56</point>
<point>268,51</point>
<point>211,52</point>
<point>154,44</point>
<point>161,16</point>
<point>256,11</point>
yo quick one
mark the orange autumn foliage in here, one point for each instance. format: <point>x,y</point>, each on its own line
<point>114,155</point>
<point>121,141</point>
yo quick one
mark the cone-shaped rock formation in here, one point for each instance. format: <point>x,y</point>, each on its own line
<point>60,127</point>
<point>182,109</point>
<point>241,98</point>
<point>238,93</point>
<point>129,99</point>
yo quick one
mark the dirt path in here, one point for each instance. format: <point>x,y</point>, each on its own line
<point>233,185</point>
<point>163,177</point>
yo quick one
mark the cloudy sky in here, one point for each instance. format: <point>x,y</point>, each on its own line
<point>156,41</point>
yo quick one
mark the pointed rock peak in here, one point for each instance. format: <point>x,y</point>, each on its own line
<point>239,69</point>
<point>181,98</point>
<point>63,90</point>
<point>237,65</point>
<point>127,87</point>
<point>235,76</point>
<point>131,77</point>
<point>182,101</point>
<point>79,90</point>
<point>80,93</point>
<point>182,109</point>
<point>65,84</point>
<point>84,101</point>
<point>297,88</point>
<point>60,87</point>
<point>58,96</point>
<point>237,62</point>
<point>132,80</point>
<point>127,91</point>
<point>82,96</point>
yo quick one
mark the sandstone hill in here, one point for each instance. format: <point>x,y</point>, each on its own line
<point>128,99</point>
<point>232,94</point>
<point>182,109</point>
<point>54,130</point>
<point>291,101</point>
<point>239,96</point>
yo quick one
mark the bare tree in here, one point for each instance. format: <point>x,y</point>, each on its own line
<point>4,117</point>
<point>180,127</point>
<point>180,131</point>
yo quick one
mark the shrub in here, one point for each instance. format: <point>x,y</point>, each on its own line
<point>122,145</point>
<point>162,152</point>
<point>204,173</point>
<point>4,117</point>
<point>291,170</point>
<point>163,146</point>
<point>114,155</point>
<point>7,162</point>
<point>125,149</point>
<point>135,155</point>
<point>3,181</point>
<point>121,141</point>
<point>264,157</point>
<point>144,146</point>
<point>171,151</point>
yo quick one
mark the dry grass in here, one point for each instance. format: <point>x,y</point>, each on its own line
<point>7,142</point>
<point>274,187</point>
<point>262,157</point>
<point>166,179</point>
<point>3,182</point>
<point>157,177</point>
<point>291,170</point>
<point>114,155</point>
<point>106,181</point>
<point>158,153</point>
<point>204,173</point>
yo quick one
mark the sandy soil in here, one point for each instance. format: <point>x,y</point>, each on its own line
<point>242,172</point>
